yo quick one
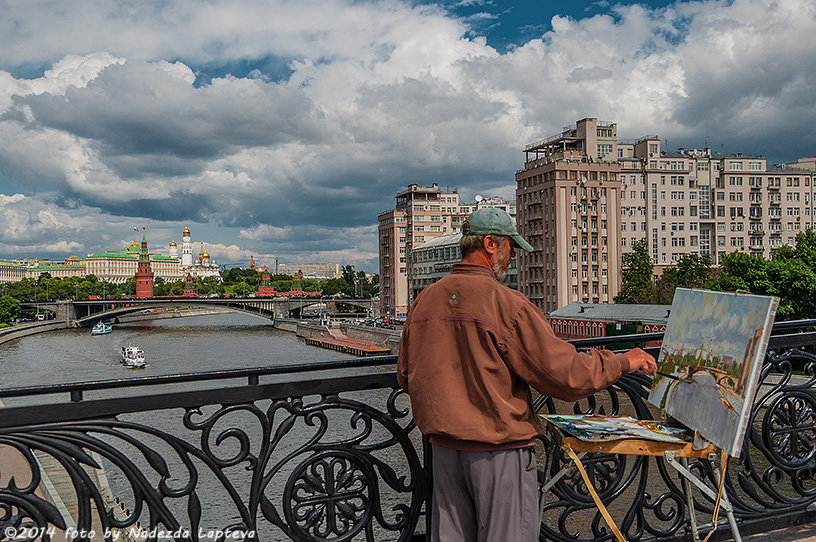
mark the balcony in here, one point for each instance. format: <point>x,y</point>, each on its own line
<point>329,451</point>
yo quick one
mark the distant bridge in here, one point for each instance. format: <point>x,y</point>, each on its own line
<point>84,313</point>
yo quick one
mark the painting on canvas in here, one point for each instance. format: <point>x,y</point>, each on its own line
<point>714,345</point>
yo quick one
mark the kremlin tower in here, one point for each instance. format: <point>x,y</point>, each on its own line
<point>186,248</point>
<point>144,274</point>
<point>200,267</point>
<point>173,249</point>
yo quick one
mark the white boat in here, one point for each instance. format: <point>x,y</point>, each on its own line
<point>100,328</point>
<point>133,357</point>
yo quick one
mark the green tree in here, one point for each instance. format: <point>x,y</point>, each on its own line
<point>282,285</point>
<point>333,286</point>
<point>129,286</point>
<point>691,271</point>
<point>9,309</point>
<point>242,289</point>
<point>160,287</point>
<point>740,271</point>
<point>637,285</point>
<point>790,274</point>
<point>235,275</point>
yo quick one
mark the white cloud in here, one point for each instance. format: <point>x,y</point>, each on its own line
<point>377,95</point>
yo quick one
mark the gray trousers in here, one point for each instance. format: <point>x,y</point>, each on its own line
<point>484,496</point>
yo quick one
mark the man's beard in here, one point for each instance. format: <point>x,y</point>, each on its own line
<point>500,270</point>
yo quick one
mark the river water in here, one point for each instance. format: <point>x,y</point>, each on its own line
<point>172,345</point>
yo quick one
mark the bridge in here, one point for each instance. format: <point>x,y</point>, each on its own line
<point>84,313</point>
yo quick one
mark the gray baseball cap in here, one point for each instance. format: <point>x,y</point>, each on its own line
<point>494,221</point>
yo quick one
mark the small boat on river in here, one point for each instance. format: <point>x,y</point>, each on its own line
<point>101,328</point>
<point>133,357</point>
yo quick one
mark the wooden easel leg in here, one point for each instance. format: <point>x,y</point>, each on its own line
<point>545,486</point>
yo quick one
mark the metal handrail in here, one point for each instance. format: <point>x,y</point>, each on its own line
<point>197,376</point>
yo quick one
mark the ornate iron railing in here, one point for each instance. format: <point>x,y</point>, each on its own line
<point>328,452</point>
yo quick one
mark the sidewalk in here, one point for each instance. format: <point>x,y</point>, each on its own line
<point>803,533</point>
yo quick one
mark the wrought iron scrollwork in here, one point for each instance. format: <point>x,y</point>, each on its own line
<point>317,471</point>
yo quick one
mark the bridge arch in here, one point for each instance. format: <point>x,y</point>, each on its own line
<point>112,314</point>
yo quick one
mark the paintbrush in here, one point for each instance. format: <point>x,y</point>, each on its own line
<point>667,375</point>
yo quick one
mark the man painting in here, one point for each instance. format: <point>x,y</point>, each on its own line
<point>470,349</point>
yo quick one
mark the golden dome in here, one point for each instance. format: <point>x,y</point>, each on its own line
<point>134,243</point>
<point>186,232</point>
<point>173,244</point>
<point>206,255</point>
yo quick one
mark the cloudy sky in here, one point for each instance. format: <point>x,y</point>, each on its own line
<point>282,128</point>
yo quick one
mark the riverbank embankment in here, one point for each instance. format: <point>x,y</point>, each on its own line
<point>18,331</point>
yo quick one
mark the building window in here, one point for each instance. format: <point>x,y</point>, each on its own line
<point>604,149</point>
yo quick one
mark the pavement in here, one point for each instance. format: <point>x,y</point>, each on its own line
<point>803,533</point>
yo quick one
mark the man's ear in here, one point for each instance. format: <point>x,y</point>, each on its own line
<point>490,245</point>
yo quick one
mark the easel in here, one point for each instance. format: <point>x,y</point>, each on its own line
<point>577,448</point>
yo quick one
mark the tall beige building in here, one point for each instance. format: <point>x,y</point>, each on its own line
<point>584,198</point>
<point>709,203</point>
<point>568,208</point>
<point>421,213</point>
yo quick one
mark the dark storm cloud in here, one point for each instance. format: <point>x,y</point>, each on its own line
<point>135,113</point>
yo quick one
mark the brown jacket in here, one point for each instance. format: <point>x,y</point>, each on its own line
<point>469,349</point>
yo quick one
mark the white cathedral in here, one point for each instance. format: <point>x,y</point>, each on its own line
<point>202,266</point>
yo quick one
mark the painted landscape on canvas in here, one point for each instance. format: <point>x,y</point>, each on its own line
<point>713,346</point>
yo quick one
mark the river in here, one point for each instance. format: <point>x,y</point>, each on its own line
<point>173,345</point>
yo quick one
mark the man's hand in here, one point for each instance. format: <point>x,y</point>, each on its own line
<point>640,361</point>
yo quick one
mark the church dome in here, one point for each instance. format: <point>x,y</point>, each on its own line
<point>173,244</point>
<point>206,255</point>
<point>186,232</point>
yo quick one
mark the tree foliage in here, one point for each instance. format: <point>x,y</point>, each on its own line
<point>789,274</point>
<point>9,309</point>
<point>637,285</point>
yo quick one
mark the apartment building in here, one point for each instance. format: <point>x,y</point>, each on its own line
<point>421,213</point>
<point>568,208</point>
<point>311,270</point>
<point>710,203</point>
<point>584,198</point>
